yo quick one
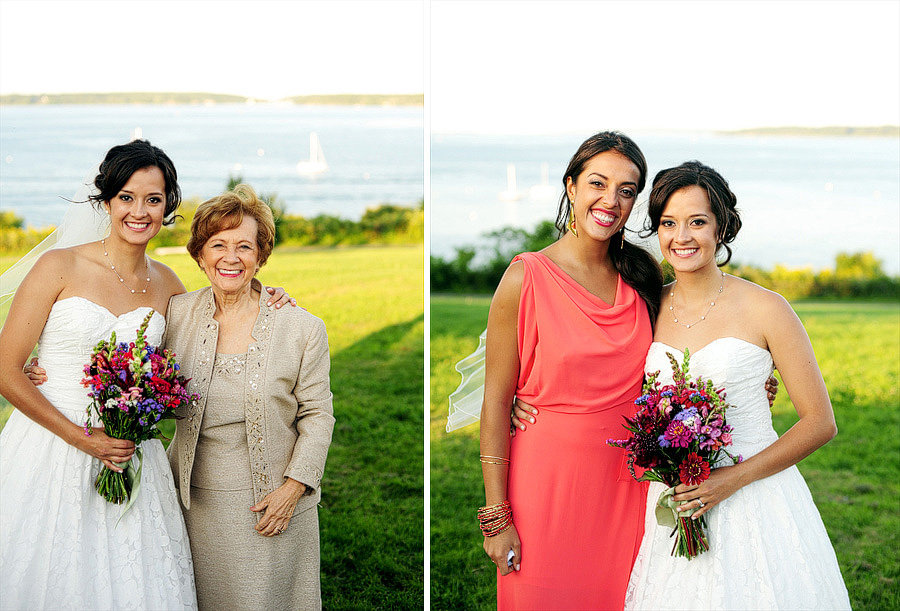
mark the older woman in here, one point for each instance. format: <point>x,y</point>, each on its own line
<point>248,457</point>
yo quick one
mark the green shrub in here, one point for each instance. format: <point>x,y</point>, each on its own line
<point>479,269</point>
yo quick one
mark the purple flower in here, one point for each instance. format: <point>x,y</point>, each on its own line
<point>710,431</point>
<point>686,414</point>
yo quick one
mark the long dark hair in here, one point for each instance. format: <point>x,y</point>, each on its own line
<point>636,266</point>
<point>124,160</point>
<point>721,199</point>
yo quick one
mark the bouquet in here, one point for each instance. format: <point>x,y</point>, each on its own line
<point>678,434</point>
<point>133,386</point>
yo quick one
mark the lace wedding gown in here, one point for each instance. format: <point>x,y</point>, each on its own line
<point>60,546</point>
<point>768,545</point>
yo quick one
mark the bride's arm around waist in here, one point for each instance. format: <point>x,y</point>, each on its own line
<point>501,374</point>
<point>794,357</point>
<point>24,324</point>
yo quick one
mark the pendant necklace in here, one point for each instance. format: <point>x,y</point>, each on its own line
<point>121,279</point>
<point>705,314</point>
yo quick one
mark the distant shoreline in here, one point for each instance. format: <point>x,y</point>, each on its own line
<point>209,99</point>
<point>880,131</point>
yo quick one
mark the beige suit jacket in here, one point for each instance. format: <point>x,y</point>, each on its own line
<point>287,396</point>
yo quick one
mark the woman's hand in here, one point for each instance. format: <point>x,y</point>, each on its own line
<point>498,546</point>
<point>771,389</point>
<point>107,449</point>
<point>36,374</point>
<point>278,507</point>
<point>279,297</point>
<point>522,413</point>
<point>720,485</point>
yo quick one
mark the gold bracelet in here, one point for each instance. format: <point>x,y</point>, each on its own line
<point>504,461</point>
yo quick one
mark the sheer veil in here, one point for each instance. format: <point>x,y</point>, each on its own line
<point>82,223</point>
<point>465,402</point>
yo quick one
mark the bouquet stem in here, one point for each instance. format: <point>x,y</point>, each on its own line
<point>690,538</point>
<point>111,485</point>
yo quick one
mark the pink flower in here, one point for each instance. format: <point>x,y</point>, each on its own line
<point>678,434</point>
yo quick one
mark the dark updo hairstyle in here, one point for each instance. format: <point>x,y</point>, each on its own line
<point>721,200</point>
<point>124,160</point>
<point>636,266</point>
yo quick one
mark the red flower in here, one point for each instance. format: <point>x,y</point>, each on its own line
<point>693,470</point>
<point>160,385</point>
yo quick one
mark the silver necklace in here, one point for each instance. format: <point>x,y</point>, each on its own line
<point>121,279</point>
<point>705,314</point>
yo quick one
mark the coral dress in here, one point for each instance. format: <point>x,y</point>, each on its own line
<point>577,509</point>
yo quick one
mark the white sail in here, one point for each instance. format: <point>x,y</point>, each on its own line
<point>544,190</point>
<point>511,193</point>
<point>316,163</point>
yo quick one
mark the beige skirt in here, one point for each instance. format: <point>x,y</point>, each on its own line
<point>237,568</point>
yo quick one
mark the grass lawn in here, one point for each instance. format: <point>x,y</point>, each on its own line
<point>371,514</point>
<point>855,479</point>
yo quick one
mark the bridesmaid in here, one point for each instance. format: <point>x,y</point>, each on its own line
<point>568,330</point>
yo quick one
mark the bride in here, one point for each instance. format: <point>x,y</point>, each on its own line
<point>768,545</point>
<point>62,545</point>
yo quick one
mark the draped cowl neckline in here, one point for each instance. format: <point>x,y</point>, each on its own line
<point>576,351</point>
<point>593,306</point>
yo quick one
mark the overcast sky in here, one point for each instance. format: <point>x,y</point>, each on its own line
<point>513,66</point>
<point>266,49</point>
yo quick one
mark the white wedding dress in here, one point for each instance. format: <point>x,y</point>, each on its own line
<point>768,545</point>
<point>60,546</point>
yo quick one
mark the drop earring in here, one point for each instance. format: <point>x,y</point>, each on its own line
<point>572,219</point>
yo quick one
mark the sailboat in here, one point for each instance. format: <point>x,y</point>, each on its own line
<point>316,163</point>
<point>544,190</point>
<point>511,194</point>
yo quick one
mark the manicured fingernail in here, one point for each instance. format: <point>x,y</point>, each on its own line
<point>532,420</point>
<point>522,426</point>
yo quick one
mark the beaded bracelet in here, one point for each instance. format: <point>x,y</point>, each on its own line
<point>494,519</point>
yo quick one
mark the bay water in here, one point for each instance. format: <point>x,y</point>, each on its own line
<point>374,154</point>
<point>802,199</point>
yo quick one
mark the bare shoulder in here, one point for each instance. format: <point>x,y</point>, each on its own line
<point>510,286</point>
<point>765,307</point>
<point>167,278</point>
<point>60,267</point>
<point>49,280</point>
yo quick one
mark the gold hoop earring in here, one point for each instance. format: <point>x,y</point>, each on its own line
<point>572,219</point>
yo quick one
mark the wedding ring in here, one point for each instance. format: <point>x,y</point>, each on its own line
<point>701,503</point>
